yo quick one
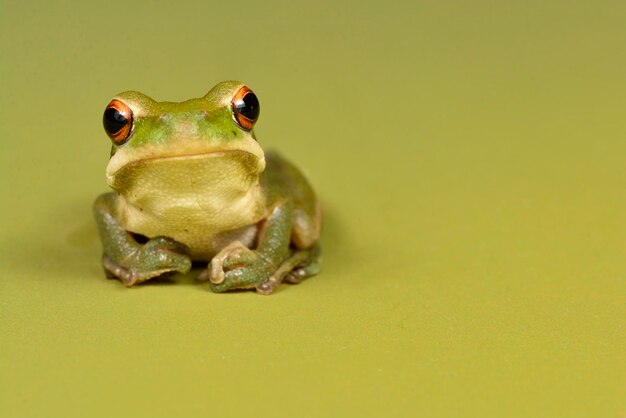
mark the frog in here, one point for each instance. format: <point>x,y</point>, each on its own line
<point>191,184</point>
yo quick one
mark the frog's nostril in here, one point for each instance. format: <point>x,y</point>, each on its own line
<point>164,117</point>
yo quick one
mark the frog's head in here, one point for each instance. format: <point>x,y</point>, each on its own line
<point>179,145</point>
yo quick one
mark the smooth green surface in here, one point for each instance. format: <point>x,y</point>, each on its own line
<point>470,157</point>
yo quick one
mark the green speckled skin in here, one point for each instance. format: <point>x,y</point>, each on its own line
<point>153,129</point>
<point>192,185</point>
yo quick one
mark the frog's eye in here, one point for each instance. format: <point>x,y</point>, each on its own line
<point>117,121</point>
<point>245,108</point>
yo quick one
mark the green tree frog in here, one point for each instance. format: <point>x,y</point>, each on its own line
<point>191,183</point>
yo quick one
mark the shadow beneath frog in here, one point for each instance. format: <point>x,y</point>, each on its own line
<point>58,244</point>
<point>64,245</point>
<point>338,255</point>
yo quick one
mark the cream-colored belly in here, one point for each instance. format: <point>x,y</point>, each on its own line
<point>203,232</point>
<point>204,202</point>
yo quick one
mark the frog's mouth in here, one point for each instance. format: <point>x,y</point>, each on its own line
<point>172,171</point>
<point>182,151</point>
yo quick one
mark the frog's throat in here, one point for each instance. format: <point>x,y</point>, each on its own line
<point>111,176</point>
<point>192,198</point>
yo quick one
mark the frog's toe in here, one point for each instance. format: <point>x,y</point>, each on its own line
<point>126,275</point>
<point>299,266</point>
<point>307,268</point>
<point>220,287</point>
<point>240,277</point>
<point>300,273</point>
<point>230,259</point>
<point>228,281</point>
<point>267,287</point>
<point>295,276</point>
<point>116,271</point>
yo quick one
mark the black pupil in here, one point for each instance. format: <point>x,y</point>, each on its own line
<point>248,106</point>
<point>113,120</point>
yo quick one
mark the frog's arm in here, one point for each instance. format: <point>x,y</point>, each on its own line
<point>295,259</point>
<point>126,259</point>
<point>275,234</point>
<point>286,240</point>
<point>238,267</point>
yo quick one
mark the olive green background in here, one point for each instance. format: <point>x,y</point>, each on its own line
<point>470,160</point>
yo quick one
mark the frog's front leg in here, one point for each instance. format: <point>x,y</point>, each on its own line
<point>238,267</point>
<point>126,259</point>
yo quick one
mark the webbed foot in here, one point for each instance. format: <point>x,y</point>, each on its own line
<point>156,257</point>
<point>300,265</point>
<point>236,267</point>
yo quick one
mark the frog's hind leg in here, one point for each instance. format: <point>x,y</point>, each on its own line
<point>306,234</point>
<point>300,265</point>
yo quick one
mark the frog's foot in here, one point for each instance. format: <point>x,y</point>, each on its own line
<point>310,267</point>
<point>156,257</point>
<point>301,264</point>
<point>236,267</point>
